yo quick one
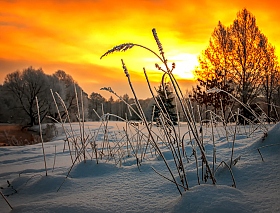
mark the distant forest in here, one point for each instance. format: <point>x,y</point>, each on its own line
<point>57,95</point>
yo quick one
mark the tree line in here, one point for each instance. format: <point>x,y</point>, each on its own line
<point>58,96</point>
<point>20,89</point>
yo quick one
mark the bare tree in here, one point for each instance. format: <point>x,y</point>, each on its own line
<point>213,71</point>
<point>247,58</point>
<point>270,82</point>
<point>24,87</point>
<point>68,94</point>
<point>6,106</point>
<point>240,53</point>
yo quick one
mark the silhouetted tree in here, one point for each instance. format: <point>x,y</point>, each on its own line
<point>109,105</point>
<point>95,103</point>
<point>24,87</point>
<point>6,106</point>
<point>69,93</point>
<point>213,72</point>
<point>240,53</point>
<point>165,99</point>
<point>219,101</point>
<point>270,81</point>
<point>124,112</point>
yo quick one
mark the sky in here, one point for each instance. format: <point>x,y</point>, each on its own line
<point>72,35</point>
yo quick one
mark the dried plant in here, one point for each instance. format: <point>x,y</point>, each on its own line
<point>41,135</point>
<point>169,130</point>
<point>137,139</point>
<point>6,200</point>
<point>123,47</point>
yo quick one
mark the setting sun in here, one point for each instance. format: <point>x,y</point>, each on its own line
<point>185,65</point>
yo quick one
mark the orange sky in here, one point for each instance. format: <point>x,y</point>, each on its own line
<point>72,35</point>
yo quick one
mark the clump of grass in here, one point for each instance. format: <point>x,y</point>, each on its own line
<point>172,137</point>
<point>169,131</point>
<point>142,140</point>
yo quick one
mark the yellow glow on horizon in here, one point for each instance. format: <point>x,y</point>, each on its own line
<point>184,65</point>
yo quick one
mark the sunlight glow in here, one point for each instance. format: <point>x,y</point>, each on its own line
<point>185,64</point>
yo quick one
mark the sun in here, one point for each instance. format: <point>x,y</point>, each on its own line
<point>185,64</point>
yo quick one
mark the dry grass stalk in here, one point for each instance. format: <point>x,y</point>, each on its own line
<point>213,140</point>
<point>40,127</point>
<point>234,137</point>
<point>266,147</point>
<point>168,135</point>
<point>61,122</point>
<point>147,125</point>
<point>54,157</point>
<point>230,170</point>
<point>82,127</point>
<point>69,120</point>
<point>6,200</point>
<point>189,116</point>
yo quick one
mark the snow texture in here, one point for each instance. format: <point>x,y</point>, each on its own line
<point>111,187</point>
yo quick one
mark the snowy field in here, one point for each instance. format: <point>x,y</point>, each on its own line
<point>118,184</point>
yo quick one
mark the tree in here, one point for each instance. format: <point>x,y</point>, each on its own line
<point>6,106</point>
<point>248,57</point>
<point>109,104</point>
<point>240,53</point>
<point>270,82</point>
<point>165,99</point>
<point>125,111</point>
<point>95,103</point>
<point>213,72</point>
<point>25,86</point>
<point>216,100</point>
<point>68,94</point>
<point>147,106</point>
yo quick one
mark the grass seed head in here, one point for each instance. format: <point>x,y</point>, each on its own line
<point>118,48</point>
<point>125,69</point>
<point>158,42</point>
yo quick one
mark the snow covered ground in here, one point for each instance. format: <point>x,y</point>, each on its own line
<point>115,185</point>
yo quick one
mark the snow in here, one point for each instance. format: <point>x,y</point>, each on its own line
<point>111,186</point>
